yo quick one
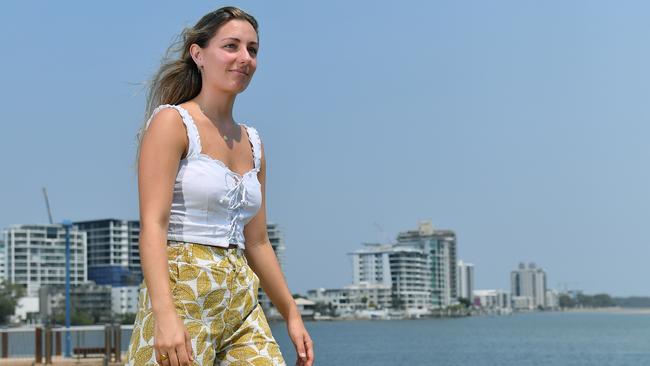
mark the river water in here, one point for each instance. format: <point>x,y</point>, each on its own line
<point>553,338</point>
<point>566,339</point>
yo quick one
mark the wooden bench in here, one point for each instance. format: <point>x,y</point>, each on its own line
<point>85,351</point>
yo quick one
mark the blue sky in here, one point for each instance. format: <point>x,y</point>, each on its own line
<point>518,124</point>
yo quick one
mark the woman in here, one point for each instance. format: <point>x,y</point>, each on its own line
<point>201,181</point>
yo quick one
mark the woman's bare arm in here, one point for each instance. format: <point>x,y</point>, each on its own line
<point>163,145</point>
<point>160,152</point>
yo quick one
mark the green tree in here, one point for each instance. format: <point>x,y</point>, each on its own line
<point>465,301</point>
<point>76,318</point>
<point>584,300</point>
<point>603,300</point>
<point>128,318</point>
<point>566,301</point>
<point>9,295</point>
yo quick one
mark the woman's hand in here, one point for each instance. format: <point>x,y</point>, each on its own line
<point>172,339</point>
<point>301,340</point>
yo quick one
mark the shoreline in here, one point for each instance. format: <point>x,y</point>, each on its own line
<point>609,310</point>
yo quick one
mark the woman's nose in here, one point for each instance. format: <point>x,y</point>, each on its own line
<point>245,56</point>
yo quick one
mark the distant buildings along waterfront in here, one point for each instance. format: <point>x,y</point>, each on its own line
<point>35,256</point>
<point>419,274</point>
<point>105,268</point>
<point>415,274</point>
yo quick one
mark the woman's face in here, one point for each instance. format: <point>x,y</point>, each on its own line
<point>230,58</point>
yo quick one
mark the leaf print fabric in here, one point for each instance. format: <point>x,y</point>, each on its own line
<point>215,294</point>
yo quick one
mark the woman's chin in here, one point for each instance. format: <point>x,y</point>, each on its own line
<point>233,89</point>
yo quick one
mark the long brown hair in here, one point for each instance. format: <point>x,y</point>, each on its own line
<point>178,79</point>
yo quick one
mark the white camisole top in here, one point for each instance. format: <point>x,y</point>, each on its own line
<point>211,203</point>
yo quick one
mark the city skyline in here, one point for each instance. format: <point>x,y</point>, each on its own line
<point>526,139</point>
<point>121,236</point>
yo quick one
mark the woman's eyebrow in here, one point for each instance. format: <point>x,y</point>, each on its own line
<point>237,39</point>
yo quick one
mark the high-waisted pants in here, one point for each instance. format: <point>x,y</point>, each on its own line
<point>215,294</point>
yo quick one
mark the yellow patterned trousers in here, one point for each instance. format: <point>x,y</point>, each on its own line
<point>215,294</point>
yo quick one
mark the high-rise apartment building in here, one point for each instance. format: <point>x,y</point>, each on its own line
<point>465,280</point>
<point>439,247</point>
<point>528,282</point>
<point>35,256</point>
<point>410,277</point>
<point>113,253</point>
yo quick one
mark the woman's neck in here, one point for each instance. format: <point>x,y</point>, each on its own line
<point>217,106</point>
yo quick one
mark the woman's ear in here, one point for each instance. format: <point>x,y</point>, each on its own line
<point>195,52</point>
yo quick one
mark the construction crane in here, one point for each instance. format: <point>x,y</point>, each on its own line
<point>47,205</point>
<point>382,235</point>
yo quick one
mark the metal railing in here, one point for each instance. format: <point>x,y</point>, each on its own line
<point>100,341</point>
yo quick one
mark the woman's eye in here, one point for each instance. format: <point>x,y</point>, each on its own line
<point>253,50</point>
<point>231,45</point>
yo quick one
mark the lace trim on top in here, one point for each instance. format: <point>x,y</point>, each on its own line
<point>194,150</point>
<point>194,147</point>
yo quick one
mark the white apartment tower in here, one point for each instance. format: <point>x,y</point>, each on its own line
<point>411,278</point>
<point>465,280</point>
<point>529,282</point>
<point>35,256</point>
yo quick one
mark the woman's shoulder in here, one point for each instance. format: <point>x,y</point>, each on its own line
<point>164,112</point>
<point>250,128</point>
<point>165,133</point>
